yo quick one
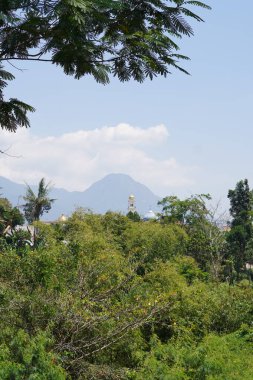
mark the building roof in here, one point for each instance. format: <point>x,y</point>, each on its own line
<point>150,215</point>
<point>63,218</point>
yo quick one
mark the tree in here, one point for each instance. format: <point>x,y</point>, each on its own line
<point>13,113</point>
<point>216,357</point>
<point>134,216</point>
<point>127,39</point>
<point>78,307</point>
<point>186,212</point>
<point>206,241</point>
<point>24,357</point>
<point>37,205</point>
<point>10,216</point>
<point>241,207</point>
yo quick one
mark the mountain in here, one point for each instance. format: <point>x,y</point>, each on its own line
<point>109,193</point>
<point>11,190</point>
<point>112,192</point>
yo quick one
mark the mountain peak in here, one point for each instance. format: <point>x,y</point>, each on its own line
<point>112,192</point>
<point>117,177</point>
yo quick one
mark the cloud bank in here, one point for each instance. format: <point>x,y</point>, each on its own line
<point>75,160</point>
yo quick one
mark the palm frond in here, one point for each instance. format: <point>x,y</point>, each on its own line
<point>198,4</point>
<point>37,204</point>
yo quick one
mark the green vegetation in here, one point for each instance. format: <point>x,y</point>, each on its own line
<point>106,297</point>
<point>37,204</point>
<point>10,217</point>
<point>100,38</point>
<point>239,238</point>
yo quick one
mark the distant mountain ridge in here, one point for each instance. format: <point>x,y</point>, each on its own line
<point>109,193</point>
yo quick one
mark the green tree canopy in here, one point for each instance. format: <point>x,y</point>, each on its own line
<point>134,216</point>
<point>206,241</point>
<point>241,207</point>
<point>186,212</point>
<point>241,203</point>
<point>102,297</point>
<point>127,39</point>
<point>10,216</point>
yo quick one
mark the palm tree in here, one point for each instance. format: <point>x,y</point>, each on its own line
<point>37,205</point>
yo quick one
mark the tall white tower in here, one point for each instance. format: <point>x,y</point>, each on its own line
<point>131,203</point>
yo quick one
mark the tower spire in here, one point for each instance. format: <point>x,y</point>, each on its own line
<point>131,203</point>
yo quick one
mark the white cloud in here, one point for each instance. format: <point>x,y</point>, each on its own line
<point>75,160</point>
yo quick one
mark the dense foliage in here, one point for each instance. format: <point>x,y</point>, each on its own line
<point>240,236</point>
<point>128,39</point>
<point>106,297</point>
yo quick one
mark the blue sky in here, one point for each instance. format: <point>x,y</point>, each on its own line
<point>178,135</point>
